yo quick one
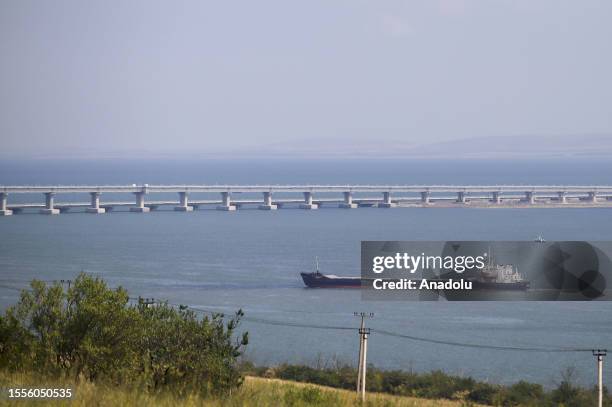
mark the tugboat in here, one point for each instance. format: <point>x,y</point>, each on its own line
<point>317,279</point>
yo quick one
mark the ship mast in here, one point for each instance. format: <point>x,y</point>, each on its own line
<point>317,264</point>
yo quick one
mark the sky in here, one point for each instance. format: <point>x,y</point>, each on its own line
<point>121,78</point>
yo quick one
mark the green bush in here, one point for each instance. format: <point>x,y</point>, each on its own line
<point>521,393</point>
<point>439,385</point>
<point>91,332</point>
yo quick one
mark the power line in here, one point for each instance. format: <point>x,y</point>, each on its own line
<point>398,335</point>
<point>379,331</point>
<point>255,319</point>
<point>480,346</point>
<point>279,323</point>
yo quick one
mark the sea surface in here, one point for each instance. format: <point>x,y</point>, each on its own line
<point>250,259</point>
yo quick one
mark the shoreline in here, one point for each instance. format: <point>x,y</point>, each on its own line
<point>478,205</point>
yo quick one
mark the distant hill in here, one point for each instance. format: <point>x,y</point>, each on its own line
<point>476,147</point>
<point>519,146</point>
<point>405,146</point>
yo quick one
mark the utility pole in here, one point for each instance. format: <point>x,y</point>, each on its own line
<point>599,354</point>
<point>363,351</point>
<point>364,332</point>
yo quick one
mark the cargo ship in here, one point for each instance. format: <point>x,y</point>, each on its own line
<point>316,279</point>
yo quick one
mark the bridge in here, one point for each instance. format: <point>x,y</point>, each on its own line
<point>310,196</point>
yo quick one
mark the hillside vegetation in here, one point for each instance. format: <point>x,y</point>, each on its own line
<point>254,392</point>
<point>114,351</point>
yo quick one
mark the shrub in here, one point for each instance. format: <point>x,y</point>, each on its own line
<point>90,331</point>
<point>439,385</point>
<point>521,393</point>
<point>189,353</point>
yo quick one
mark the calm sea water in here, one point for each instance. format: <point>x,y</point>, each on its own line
<point>251,259</point>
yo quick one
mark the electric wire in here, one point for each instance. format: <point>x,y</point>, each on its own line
<point>376,330</point>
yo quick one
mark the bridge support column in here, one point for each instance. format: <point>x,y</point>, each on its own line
<point>267,202</point>
<point>593,197</point>
<point>530,197</point>
<point>386,203</point>
<point>226,203</point>
<point>308,202</point>
<point>140,203</point>
<point>49,209</point>
<point>4,211</point>
<point>348,201</point>
<point>562,197</point>
<point>183,203</point>
<point>461,197</point>
<point>95,204</point>
<point>497,197</point>
<point>425,197</point>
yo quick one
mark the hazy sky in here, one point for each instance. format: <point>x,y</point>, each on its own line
<point>115,77</point>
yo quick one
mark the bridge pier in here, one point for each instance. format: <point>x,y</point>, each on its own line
<point>530,197</point>
<point>226,203</point>
<point>183,203</point>
<point>593,197</point>
<point>562,197</point>
<point>4,211</point>
<point>140,203</point>
<point>267,202</point>
<point>308,202</point>
<point>348,201</point>
<point>497,197</point>
<point>461,197</point>
<point>95,204</point>
<point>49,209</point>
<point>425,197</point>
<point>386,203</point>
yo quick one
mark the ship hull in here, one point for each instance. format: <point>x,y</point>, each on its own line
<point>517,286</point>
<point>318,280</point>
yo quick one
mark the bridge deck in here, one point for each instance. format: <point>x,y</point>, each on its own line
<point>304,188</point>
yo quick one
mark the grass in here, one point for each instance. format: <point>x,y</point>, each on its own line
<point>254,392</point>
